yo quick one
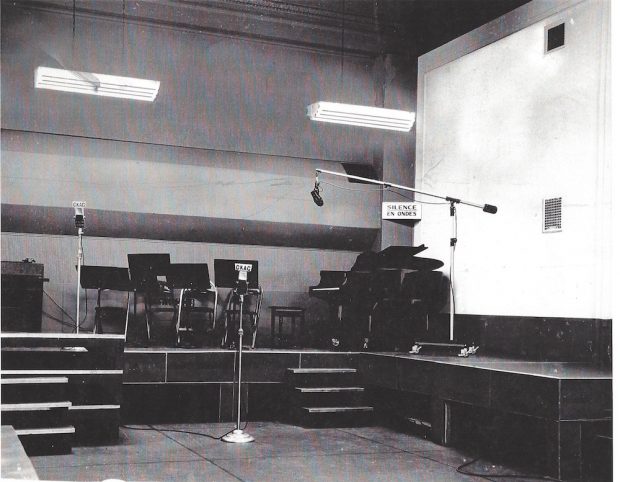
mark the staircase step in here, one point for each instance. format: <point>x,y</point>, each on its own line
<point>29,390</point>
<point>95,423</point>
<point>335,416</point>
<point>44,349</point>
<point>44,372</point>
<point>46,440</point>
<point>47,357</point>
<point>45,430</point>
<point>328,397</point>
<point>321,370</point>
<point>328,389</point>
<point>94,407</point>
<point>85,387</point>
<point>34,380</point>
<point>319,377</point>
<point>34,415</point>
<point>32,407</point>
<point>337,409</point>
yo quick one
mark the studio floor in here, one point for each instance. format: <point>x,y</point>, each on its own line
<point>280,452</point>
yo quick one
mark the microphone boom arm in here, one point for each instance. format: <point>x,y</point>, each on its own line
<point>487,208</point>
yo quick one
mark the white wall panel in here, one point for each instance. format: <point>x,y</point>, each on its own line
<point>507,124</point>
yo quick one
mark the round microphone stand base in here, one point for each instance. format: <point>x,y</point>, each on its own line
<point>238,436</point>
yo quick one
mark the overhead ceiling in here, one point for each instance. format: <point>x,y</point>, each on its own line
<point>367,27</point>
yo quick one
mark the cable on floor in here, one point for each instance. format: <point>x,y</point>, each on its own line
<point>461,470</point>
<point>150,427</point>
<point>214,437</point>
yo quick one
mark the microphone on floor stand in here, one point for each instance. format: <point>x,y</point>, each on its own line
<point>78,217</point>
<point>241,290</point>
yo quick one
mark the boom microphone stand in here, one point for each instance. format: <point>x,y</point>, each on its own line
<point>487,208</point>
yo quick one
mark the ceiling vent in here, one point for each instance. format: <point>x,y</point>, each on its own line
<point>552,215</point>
<point>554,37</point>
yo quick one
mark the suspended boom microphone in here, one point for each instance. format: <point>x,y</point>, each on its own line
<point>316,197</point>
<point>489,208</point>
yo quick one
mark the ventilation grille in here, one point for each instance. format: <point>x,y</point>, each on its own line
<point>552,215</point>
<point>554,38</point>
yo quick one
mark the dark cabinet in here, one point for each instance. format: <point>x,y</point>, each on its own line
<point>22,296</point>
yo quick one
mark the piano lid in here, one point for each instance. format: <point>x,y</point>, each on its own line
<point>404,257</point>
<point>402,251</point>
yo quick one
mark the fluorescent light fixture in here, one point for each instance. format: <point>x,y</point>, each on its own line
<point>361,115</point>
<point>95,84</point>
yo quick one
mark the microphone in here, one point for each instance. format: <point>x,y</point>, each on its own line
<point>316,197</point>
<point>489,208</point>
<point>242,282</point>
<point>78,213</point>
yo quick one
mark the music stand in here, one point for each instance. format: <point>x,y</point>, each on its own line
<point>144,270</point>
<point>194,276</point>
<point>239,275</point>
<point>106,278</point>
<point>226,276</point>
<point>190,278</point>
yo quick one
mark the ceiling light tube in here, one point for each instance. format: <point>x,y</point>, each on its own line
<point>96,84</point>
<point>361,115</point>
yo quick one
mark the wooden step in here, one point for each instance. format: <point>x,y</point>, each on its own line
<point>45,430</point>
<point>337,409</point>
<point>47,357</point>
<point>32,407</point>
<point>35,415</point>
<point>328,396</point>
<point>34,380</point>
<point>94,407</point>
<point>46,440</point>
<point>321,370</point>
<point>34,389</point>
<point>42,372</point>
<point>329,389</point>
<point>45,349</point>
<point>319,377</point>
<point>95,423</point>
<point>334,416</point>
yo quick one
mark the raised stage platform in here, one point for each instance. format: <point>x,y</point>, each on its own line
<point>569,400</point>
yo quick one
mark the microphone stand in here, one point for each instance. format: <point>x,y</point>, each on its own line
<point>79,273</point>
<point>79,224</point>
<point>487,208</point>
<point>238,435</point>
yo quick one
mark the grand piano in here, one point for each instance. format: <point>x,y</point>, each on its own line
<point>384,301</point>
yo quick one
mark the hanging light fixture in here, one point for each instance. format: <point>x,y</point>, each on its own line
<point>96,84</point>
<point>361,115</point>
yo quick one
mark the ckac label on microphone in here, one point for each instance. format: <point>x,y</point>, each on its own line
<point>395,211</point>
<point>243,267</point>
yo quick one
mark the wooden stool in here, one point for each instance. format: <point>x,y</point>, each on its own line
<point>282,312</point>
